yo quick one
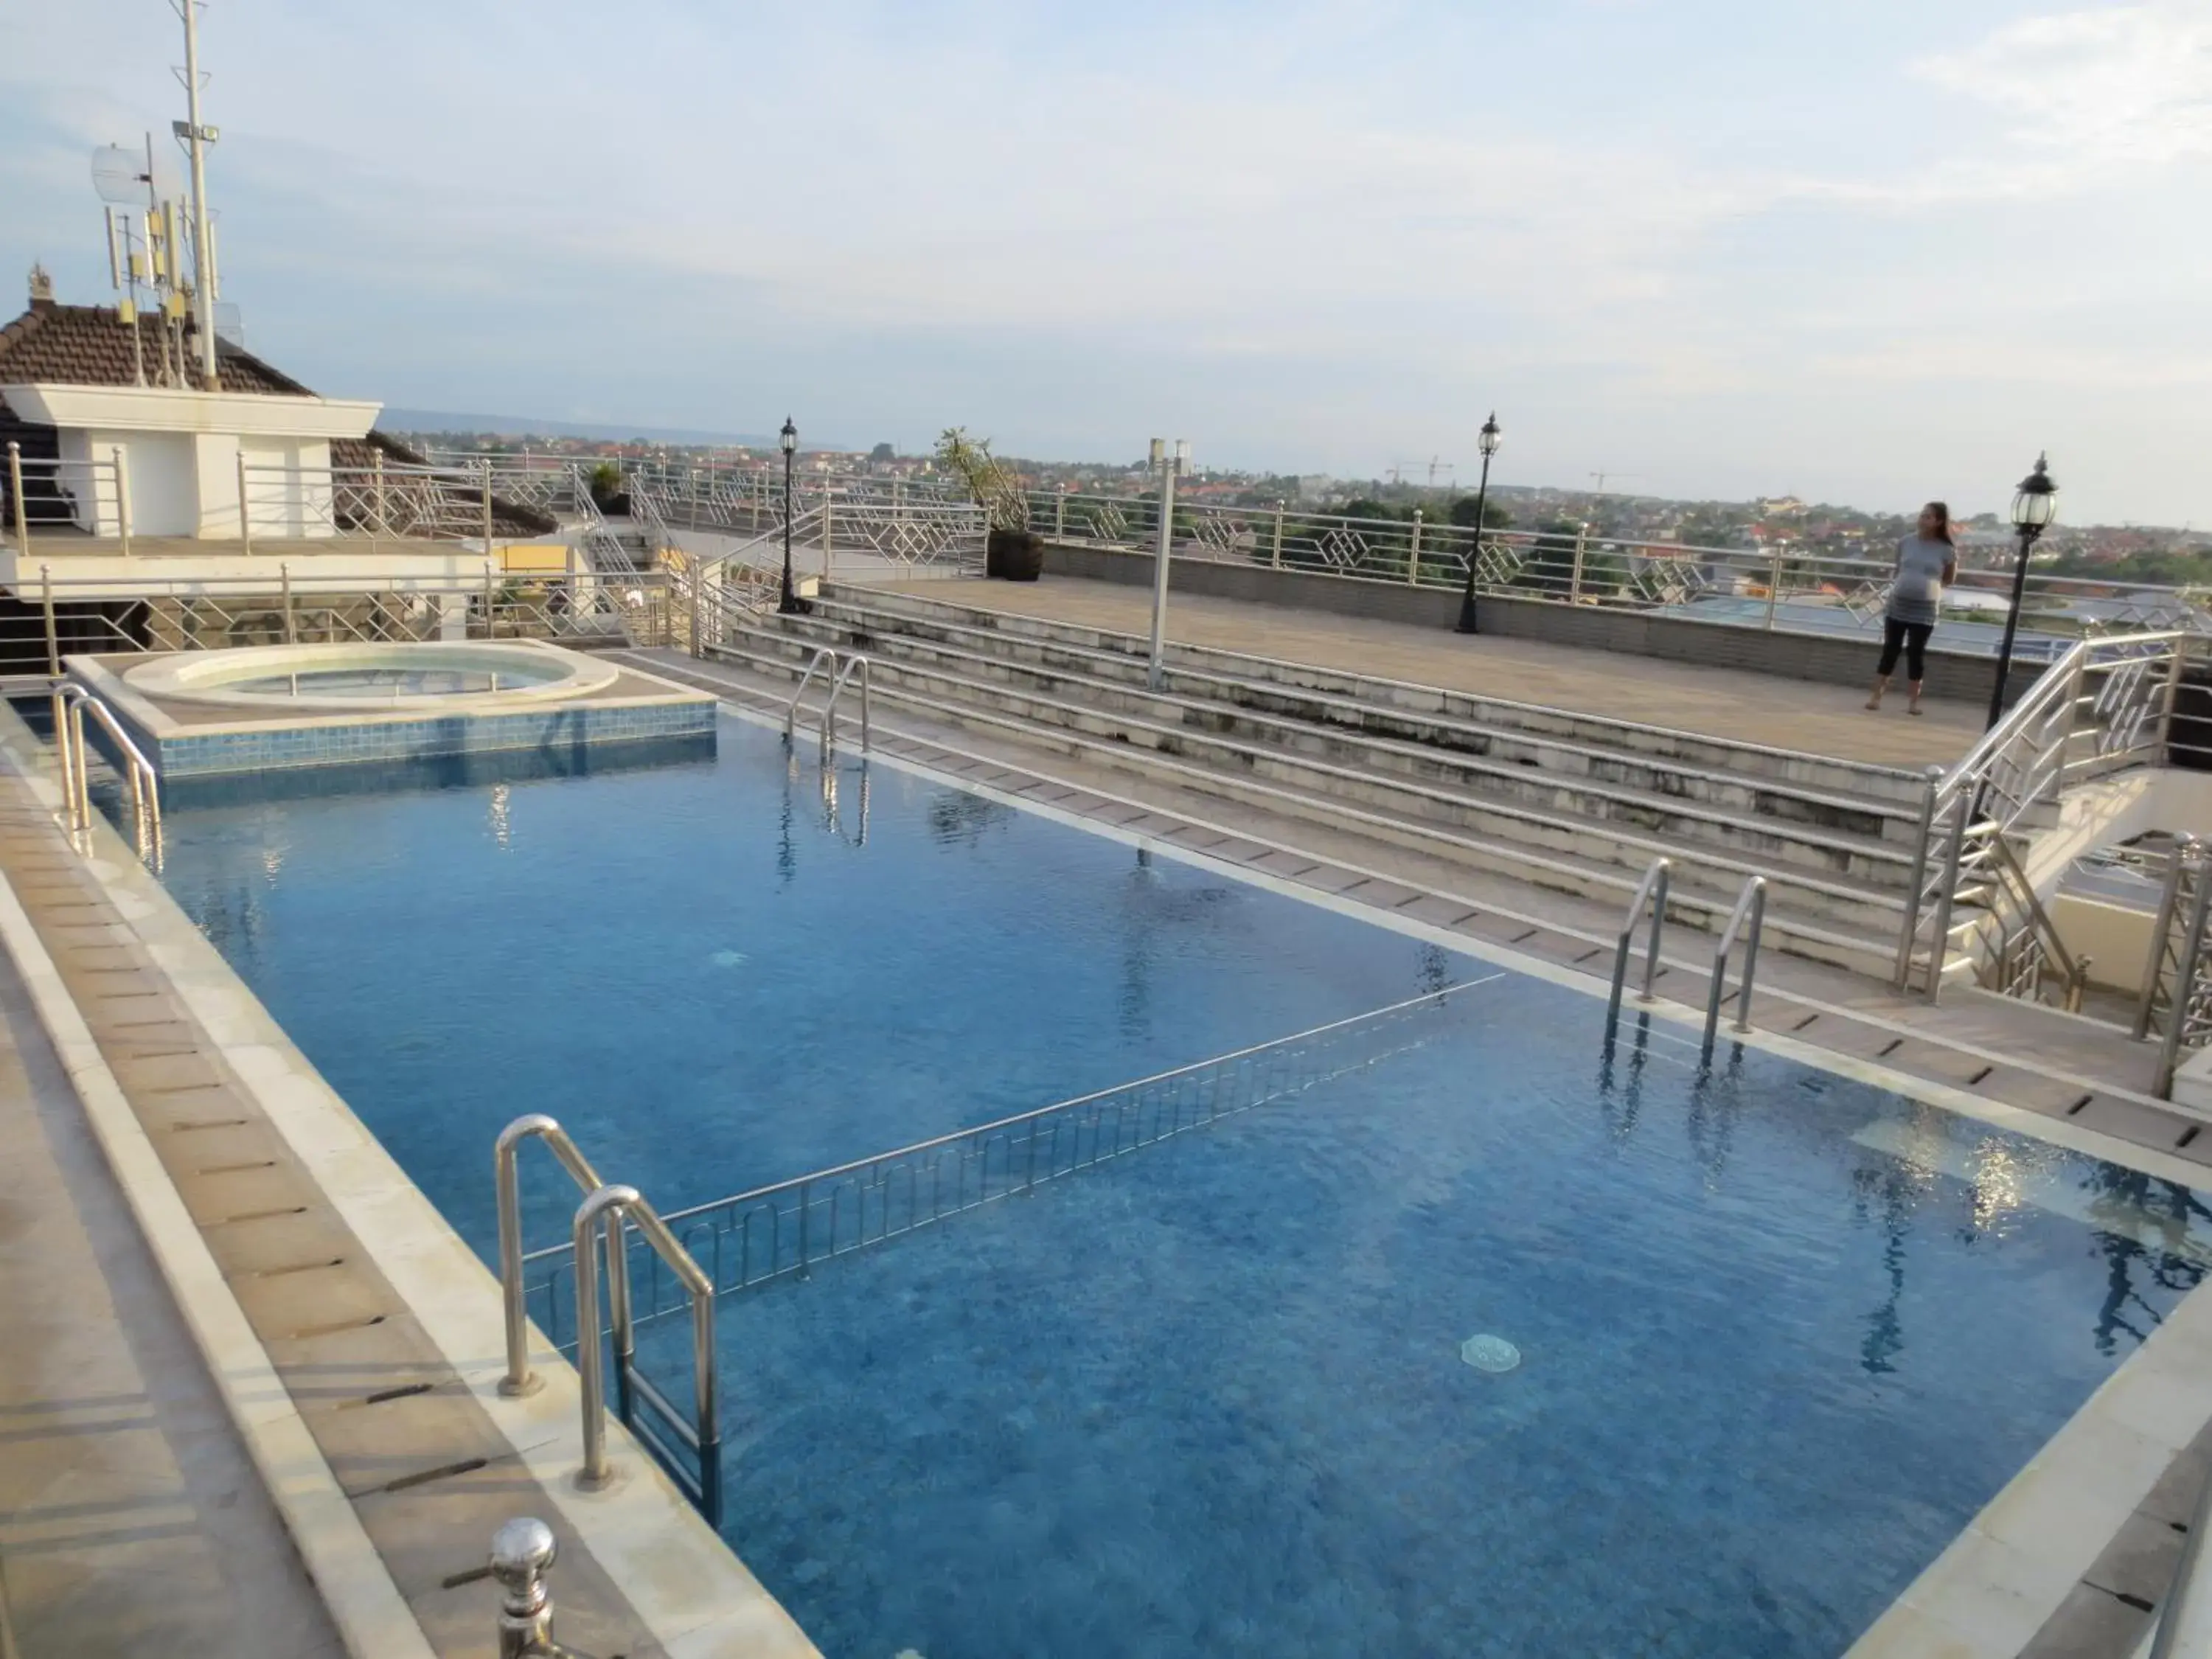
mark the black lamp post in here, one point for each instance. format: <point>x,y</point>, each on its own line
<point>787,440</point>
<point>1488,440</point>
<point>2033,508</point>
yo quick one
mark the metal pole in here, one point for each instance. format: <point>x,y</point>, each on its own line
<point>1059,517</point>
<point>291,626</point>
<point>2184,982</point>
<point>788,602</point>
<point>2179,647</point>
<point>584,1237</point>
<point>825,533</point>
<point>490,631</point>
<point>1658,926</point>
<point>1575,581</point>
<point>1165,461</point>
<point>53,634</point>
<point>486,466</point>
<point>1413,553</point>
<point>1939,947</point>
<point>522,1553</point>
<point>2028,535</point>
<point>1773,585</point>
<point>1916,889</point>
<point>1466,624</point>
<point>16,495</point>
<point>1275,555</point>
<point>122,498</point>
<point>245,511</point>
<point>203,249</point>
<point>2177,857</point>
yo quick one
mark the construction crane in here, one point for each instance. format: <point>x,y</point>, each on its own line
<point>1603,477</point>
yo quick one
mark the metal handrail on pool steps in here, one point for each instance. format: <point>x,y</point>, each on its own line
<point>1751,903</point>
<point>71,700</point>
<point>1652,890</point>
<point>612,1209</point>
<point>842,667</point>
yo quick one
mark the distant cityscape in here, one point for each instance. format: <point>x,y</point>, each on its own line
<point>2129,553</point>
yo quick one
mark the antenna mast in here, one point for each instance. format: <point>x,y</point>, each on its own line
<point>197,138</point>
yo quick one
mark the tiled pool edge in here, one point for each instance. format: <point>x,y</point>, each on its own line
<point>221,750</point>
<point>2004,1577</point>
<point>371,1616</point>
<point>682,1581</point>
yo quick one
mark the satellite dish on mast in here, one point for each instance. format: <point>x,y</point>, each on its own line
<point>120,175</point>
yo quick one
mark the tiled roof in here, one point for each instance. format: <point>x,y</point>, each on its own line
<point>87,345</point>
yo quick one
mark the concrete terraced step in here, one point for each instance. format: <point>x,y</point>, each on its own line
<point>1852,927</point>
<point>1020,637</point>
<point>1558,809</point>
<point>1460,753</point>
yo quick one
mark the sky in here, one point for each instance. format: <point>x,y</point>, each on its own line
<point>1867,253</point>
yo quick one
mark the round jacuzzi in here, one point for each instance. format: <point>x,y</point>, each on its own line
<point>476,674</point>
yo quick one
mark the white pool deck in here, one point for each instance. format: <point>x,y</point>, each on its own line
<point>351,1339</point>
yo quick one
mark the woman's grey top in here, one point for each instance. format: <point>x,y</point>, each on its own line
<point>1918,588</point>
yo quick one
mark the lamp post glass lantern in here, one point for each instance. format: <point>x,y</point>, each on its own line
<point>1487,441</point>
<point>787,440</point>
<point>2034,509</point>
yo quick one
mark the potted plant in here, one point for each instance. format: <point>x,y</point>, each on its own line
<point>1012,552</point>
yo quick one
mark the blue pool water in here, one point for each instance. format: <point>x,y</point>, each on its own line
<point>1782,1334</point>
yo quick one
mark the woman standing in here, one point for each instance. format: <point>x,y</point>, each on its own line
<point>1926,559</point>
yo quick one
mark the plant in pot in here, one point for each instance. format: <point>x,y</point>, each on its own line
<point>1013,552</point>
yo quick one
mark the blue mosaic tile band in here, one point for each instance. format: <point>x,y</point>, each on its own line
<point>547,729</point>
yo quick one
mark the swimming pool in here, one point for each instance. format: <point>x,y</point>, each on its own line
<point>1780,1334</point>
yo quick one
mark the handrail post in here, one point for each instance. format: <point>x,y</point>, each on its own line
<point>1938,948</point>
<point>291,624</point>
<point>506,1184</point>
<point>16,495</point>
<point>1653,885</point>
<point>1753,898</point>
<point>1916,891</point>
<point>1575,580</point>
<point>1773,585</point>
<point>2184,985</point>
<point>1275,553</point>
<point>246,508</point>
<point>2178,858</point>
<point>591,1364</point>
<point>1413,553</point>
<point>522,1554</point>
<point>53,630</point>
<point>2179,646</point>
<point>122,471</point>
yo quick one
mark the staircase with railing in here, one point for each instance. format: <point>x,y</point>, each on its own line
<point>2105,705</point>
<point>2176,1006</point>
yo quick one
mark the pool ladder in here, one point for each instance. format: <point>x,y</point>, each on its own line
<point>838,668</point>
<point>690,1449</point>
<point>1746,921</point>
<point>70,703</point>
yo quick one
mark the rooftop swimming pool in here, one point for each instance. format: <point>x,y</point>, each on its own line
<point>1778,1334</point>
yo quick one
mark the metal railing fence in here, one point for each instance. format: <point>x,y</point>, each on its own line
<point>307,601</point>
<point>66,499</point>
<point>785,1230</point>
<point>2105,704</point>
<point>2176,1005</point>
<point>1780,587</point>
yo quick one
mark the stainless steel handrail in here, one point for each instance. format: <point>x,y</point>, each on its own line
<point>519,1379</point>
<point>1751,902</point>
<point>2012,875</point>
<point>2183,1002</point>
<point>2181,861</point>
<point>841,665</point>
<point>822,655</point>
<point>851,664</point>
<point>604,1213</point>
<point>71,700</point>
<point>1652,889</point>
